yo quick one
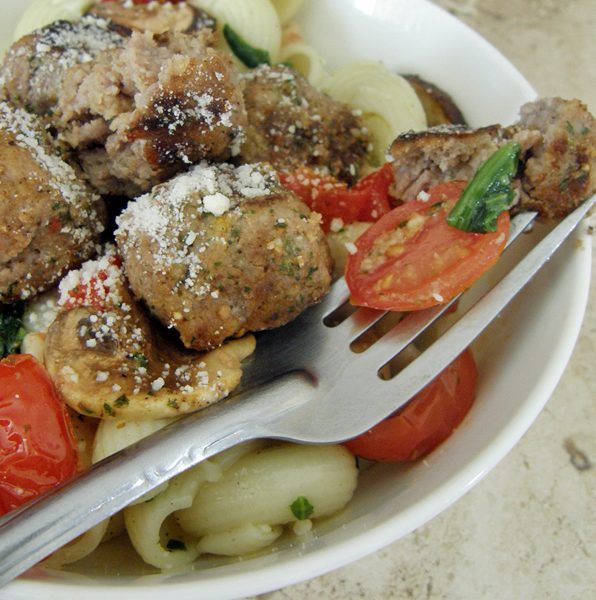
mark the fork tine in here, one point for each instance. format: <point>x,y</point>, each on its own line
<point>445,349</point>
<point>413,324</point>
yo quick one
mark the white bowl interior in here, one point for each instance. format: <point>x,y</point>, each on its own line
<point>521,358</point>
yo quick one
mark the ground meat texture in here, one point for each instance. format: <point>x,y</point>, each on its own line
<point>221,250</point>
<point>560,171</point>
<point>155,17</point>
<point>34,68</point>
<point>292,125</point>
<point>139,114</point>
<point>49,219</point>
<point>423,159</point>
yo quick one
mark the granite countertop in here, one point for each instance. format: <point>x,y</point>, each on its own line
<point>528,530</point>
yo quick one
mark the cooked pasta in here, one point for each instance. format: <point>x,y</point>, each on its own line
<point>80,547</point>
<point>43,12</point>
<point>241,540</point>
<point>287,9</point>
<point>152,529</point>
<point>255,20</point>
<point>114,435</point>
<point>388,103</point>
<point>260,488</point>
<point>306,60</point>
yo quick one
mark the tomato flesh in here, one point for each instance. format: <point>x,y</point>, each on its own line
<point>428,419</point>
<point>412,259</point>
<point>367,200</point>
<point>37,448</point>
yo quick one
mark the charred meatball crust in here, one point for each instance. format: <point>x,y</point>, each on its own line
<point>139,114</point>
<point>213,274</point>
<point>291,125</point>
<point>50,221</point>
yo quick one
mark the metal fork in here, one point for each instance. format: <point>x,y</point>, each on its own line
<point>304,383</point>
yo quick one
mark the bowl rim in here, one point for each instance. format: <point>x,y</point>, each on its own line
<point>338,554</point>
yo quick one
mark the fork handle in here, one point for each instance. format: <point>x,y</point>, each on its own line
<point>31,533</point>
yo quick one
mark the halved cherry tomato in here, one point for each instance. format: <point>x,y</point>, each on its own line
<point>412,259</point>
<point>427,421</point>
<point>367,200</point>
<point>37,448</point>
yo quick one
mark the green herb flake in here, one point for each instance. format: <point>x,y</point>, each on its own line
<point>301,508</point>
<point>252,57</point>
<point>570,128</point>
<point>141,360</point>
<point>173,403</point>
<point>488,194</point>
<point>12,331</point>
<point>174,544</point>
<point>121,401</point>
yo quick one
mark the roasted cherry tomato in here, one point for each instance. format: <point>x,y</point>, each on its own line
<point>427,421</point>
<point>37,448</point>
<point>412,259</point>
<point>332,199</point>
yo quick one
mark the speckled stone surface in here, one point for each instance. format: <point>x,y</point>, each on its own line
<point>528,530</point>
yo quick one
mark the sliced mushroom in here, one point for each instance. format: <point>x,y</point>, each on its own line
<point>438,105</point>
<point>155,17</point>
<point>115,363</point>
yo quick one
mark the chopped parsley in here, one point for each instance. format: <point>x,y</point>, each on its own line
<point>301,508</point>
<point>121,401</point>
<point>140,359</point>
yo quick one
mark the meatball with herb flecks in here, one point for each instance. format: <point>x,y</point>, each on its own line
<point>35,66</point>
<point>222,250</point>
<point>50,221</point>
<point>291,124</point>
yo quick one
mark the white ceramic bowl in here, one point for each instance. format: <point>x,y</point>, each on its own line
<point>521,358</point>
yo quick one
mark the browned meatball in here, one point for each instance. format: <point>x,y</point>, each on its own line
<point>49,219</point>
<point>34,68</point>
<point>423,159</point>
<point>291,125</point>
<point>221,250</point>
<point>154,17</point>
<point>139,114</point>
<point>561,170</point>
